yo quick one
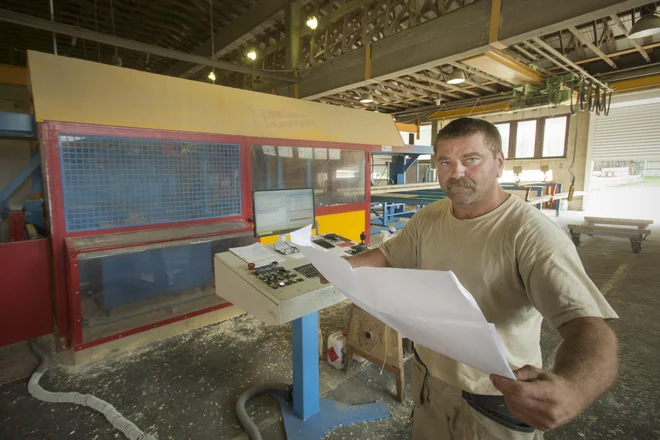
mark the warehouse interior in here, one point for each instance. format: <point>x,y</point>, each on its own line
<point>141,141</point>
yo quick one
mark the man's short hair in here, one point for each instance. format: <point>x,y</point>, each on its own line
<point>464,127</point>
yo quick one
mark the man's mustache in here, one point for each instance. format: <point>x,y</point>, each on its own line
<point>462,182</point>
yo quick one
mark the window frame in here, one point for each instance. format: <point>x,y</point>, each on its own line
<point>538,142</point>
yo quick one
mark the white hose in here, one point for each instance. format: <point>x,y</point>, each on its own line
<point>128,428</point>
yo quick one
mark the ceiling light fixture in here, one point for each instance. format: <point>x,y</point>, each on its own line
<point>252,54</point>
<point>647,25</point>
<point>312,22</point>
<point>366,98</point>
<point>456,77</point>
<point>212,76</point>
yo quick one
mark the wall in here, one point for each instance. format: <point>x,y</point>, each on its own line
<point>559,167</point>
<point>13,98</point>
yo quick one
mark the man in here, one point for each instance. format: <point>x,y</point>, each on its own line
<point>521,268</point>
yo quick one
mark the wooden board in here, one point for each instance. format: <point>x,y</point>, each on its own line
<point>611,231</point>
<point>373,340</point>
<point>617,221</point>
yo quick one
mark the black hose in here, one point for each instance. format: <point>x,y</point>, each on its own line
<point>606,111</point>
<point>590,103</point>
<point>573,91</point>
<point>246,421</point>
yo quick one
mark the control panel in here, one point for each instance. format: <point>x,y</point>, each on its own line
<point>276,276</point>
<point>283,290</point>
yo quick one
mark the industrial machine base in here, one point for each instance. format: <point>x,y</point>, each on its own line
<point>306,415</point>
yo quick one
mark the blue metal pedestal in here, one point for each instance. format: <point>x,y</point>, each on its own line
<point>310,417</point>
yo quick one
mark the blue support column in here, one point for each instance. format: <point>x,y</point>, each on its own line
<point>304,334</point>
<point>37,186</point>
<point>398,169</point>
<point>399,166</point>
<point>309,417</point>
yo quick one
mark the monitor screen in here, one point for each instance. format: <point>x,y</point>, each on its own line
<point>280,211</point>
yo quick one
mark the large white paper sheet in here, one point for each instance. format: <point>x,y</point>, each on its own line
<point>428,307</point>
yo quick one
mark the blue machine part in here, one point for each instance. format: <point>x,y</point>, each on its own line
<point>17,125</point>
<point>34,213</point>
<point>399,166</point>
<point>111,182</point>
<point>16,182</point>
<point>132,277</point>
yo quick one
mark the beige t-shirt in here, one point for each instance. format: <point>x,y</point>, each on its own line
<point>519,266</point>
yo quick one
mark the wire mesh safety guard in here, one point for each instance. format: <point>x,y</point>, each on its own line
<point>113,182</point>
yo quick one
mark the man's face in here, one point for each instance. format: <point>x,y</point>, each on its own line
<point>467,169</point>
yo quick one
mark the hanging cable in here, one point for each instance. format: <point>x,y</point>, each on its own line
<point>116,60</point>
<point>571,189</point>
<point>212,74</point>
<point>606,110</point>
<point>590,98</point>
<point>52,18</point>
<point>96,22</point>
<point>575,91</point>
<point>581,95</point>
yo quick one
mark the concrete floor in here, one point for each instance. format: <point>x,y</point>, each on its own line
<point>185,387</point>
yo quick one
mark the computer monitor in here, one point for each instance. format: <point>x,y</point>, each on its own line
<point>280,211</point>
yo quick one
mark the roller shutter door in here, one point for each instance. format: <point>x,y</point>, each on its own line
<point>628,133</point>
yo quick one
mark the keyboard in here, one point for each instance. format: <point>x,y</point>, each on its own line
<point>323,243</point>
<point>308,270</point>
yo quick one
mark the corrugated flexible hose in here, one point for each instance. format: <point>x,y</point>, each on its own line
<point>128,428</point>
<point>246,421</point>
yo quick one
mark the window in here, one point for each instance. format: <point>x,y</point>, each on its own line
<point>554,137</point>
<point>337,176</point>
<point>525,139</point>
<point>505,132</point>
<point>534,138</point>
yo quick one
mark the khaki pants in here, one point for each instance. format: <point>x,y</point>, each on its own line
<point>445,415</point>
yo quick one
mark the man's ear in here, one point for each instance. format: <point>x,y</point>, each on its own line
<point>500,164</point>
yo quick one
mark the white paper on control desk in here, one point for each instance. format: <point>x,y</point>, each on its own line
<point>428,307</point>
<point>257,253</point>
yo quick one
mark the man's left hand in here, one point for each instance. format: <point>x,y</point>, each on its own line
<point>539,398</point>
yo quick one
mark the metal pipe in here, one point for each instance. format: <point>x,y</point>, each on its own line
<point>547,57</point>
<point>74,31</point>
<point>558,54</point>
<point>52,18</point>
<point>522,50</point>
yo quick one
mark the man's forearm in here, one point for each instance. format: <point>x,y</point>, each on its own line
<point>370,258</point>
<point>588,356</point>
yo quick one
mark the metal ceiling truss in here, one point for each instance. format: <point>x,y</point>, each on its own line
<point>344,26</point>
<point>594,45</point>
<point>168,24</point>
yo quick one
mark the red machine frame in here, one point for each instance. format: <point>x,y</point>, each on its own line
<point>67,277</point>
